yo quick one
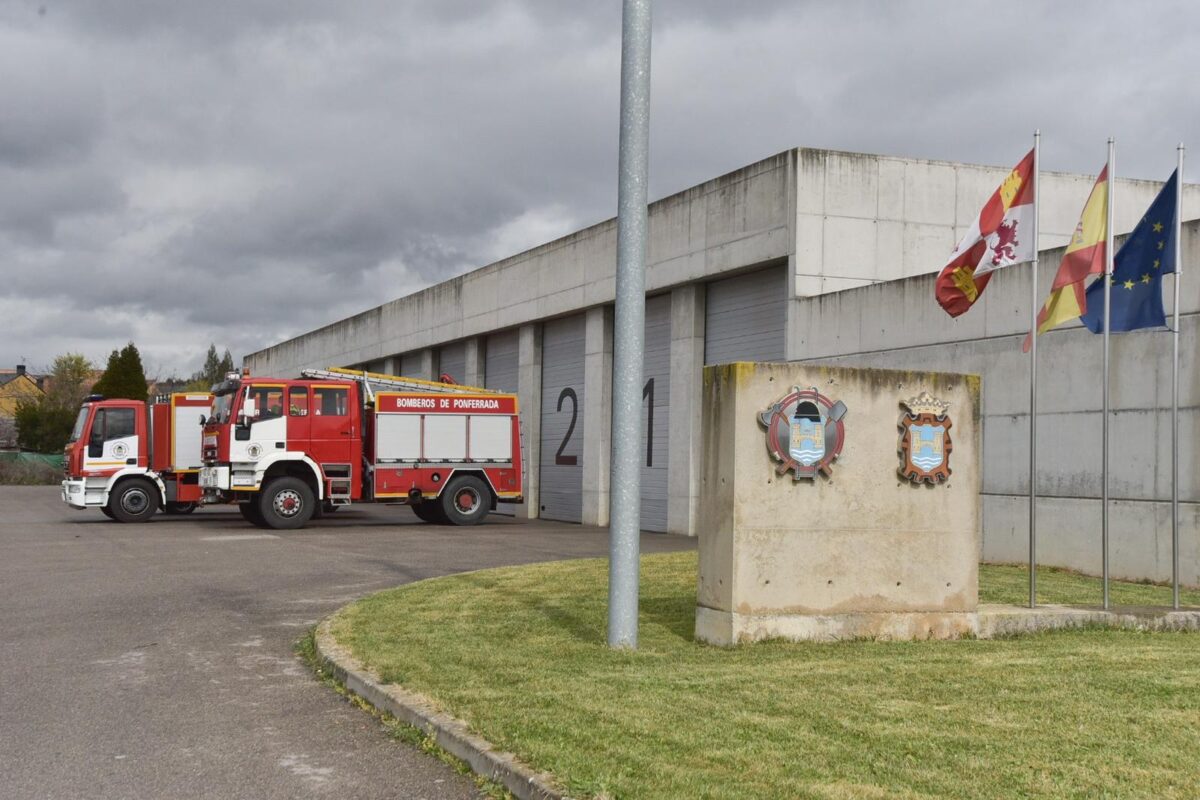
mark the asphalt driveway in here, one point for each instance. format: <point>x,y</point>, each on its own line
<point>156,660</point>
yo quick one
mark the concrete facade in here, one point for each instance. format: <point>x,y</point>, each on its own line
<point>687,365</point>
<point>859,552</point>
<point>832,223</point>
<point>761,213</point>
<point>894,325</point>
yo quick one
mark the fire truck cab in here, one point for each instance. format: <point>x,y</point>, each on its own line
<point>287,451</point>
<point>131,459</point>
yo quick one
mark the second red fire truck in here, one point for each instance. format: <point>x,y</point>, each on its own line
<point>130,458</point>
<point>287,451</point>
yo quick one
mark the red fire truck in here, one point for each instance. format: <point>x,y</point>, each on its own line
<point>289,450</point>
<point>130,458</point>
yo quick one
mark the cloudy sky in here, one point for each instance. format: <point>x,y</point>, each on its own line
<point>240,171</point>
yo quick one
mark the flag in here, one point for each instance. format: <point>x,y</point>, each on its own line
<point>1002,235</point>
<point>1136,297</point>
<point>1084,256</point>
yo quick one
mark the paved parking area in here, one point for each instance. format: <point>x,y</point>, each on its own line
<point>157,660</point>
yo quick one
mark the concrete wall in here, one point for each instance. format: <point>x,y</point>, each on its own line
<point>859,552</point>
<point>725,224</point>
<point>863,219</point>
<point>840,219</point>
<point>899,325</point>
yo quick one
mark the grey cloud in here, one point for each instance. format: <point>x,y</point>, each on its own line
<point>239,171</point>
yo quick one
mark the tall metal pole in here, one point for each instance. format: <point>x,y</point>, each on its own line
<point>1033,314</point>
<point>1108,272</point>
<point>625,503</point>
<point>1175,386</point>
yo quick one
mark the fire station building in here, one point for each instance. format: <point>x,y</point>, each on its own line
<point>809,255</point>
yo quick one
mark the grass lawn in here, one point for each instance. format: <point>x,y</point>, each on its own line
<point>519,654</point>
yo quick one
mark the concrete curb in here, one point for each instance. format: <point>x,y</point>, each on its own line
<point>998,620</point>
<point>450,733</point>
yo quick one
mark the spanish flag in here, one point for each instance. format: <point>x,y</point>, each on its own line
<point>1085,256</point>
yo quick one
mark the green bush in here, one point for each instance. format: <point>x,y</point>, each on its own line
<point>25,472</point>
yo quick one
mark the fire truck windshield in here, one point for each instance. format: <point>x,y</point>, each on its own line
<point>223,394</point>
<point>80,421</point>
<point>220,408</point>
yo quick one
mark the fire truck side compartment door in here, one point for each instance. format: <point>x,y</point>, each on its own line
<point>491,437</point>
<point>188,436</point>
<point>445,437</point>
<point>397,437</point>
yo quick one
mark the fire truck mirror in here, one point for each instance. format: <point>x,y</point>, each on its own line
<point>248,408</point>
<point>203,421</point>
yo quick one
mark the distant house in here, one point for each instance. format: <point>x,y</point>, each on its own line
<point>166,387</point>
<point>15,385</point>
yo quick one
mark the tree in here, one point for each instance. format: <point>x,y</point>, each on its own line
<point>106,385</point>
<point>213,371</point>
<point>45,425</point>
<point>124,376</point>
<point>226,366</point>
<point>212,366</point>
<point>68,380</point>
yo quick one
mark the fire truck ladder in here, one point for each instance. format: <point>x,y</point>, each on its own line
<point>374,382</point>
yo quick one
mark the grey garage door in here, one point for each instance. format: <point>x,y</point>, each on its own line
<point>410,365</point>
<point>500,362</point>
<point>656,408</point>
<point>500,358</point>
<point>746,318</point>
<point>561,456</point>
<point>452,361</point>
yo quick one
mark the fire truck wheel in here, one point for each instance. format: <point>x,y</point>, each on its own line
<point>429,511</point>
<point>286,503</point>
<point>250,514</point>
<point>104,510</point>
<point>179,508</point>
<point>323,508</point>
<point>465,500</point>
<point>134,500</point>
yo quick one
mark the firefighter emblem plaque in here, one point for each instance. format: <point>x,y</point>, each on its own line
<point>925,440</point>
<point>804,432</point>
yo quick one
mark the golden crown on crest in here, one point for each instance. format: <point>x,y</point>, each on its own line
<point>925,403</point>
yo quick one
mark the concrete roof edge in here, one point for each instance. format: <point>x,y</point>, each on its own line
<point>770,162</point>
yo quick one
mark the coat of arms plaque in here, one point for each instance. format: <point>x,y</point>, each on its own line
<point>804,432</point>
<point>925,440</point>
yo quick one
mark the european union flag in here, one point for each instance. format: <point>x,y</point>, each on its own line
<point>1136,297</point>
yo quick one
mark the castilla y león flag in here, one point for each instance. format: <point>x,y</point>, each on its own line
<point>1000,237</point>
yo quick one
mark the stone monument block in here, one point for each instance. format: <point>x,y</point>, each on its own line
<point>838,503</point>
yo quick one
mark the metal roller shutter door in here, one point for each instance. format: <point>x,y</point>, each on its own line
<point>410,364</point>
<point>452,361</point>
<point>562,419</point>
<point>746,318</point>
<point>500,362</point>
<point>656,408</point>
<point>500,357</point>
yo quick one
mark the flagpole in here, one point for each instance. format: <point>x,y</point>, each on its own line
<point>1033,311</point>
<point>1108,272</point>
<point>1175,385</point>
